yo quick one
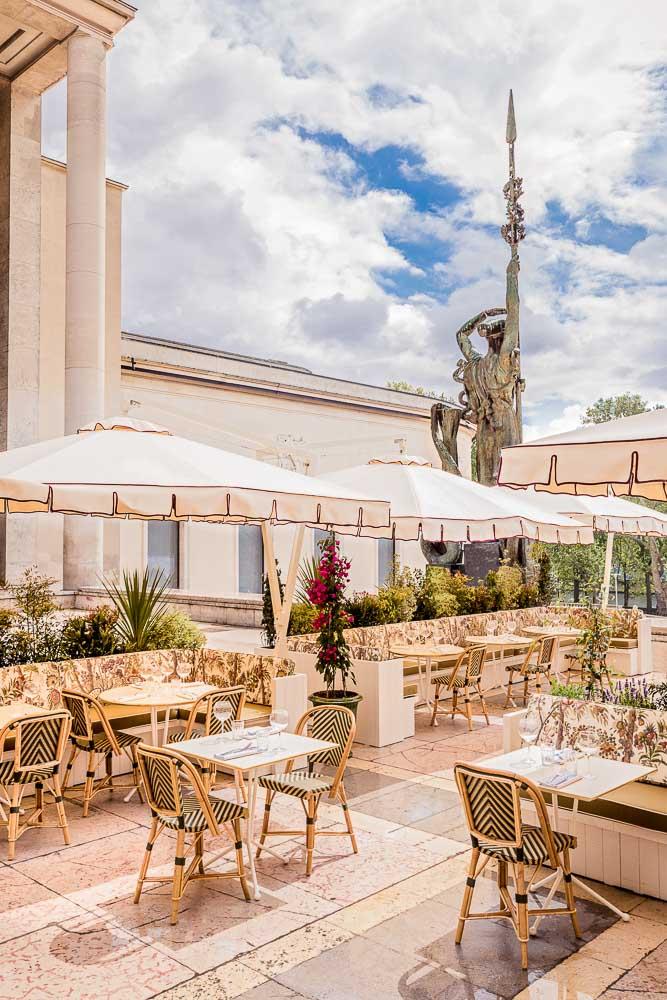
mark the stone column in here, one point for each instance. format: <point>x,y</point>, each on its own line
<point>20,275</point>
<point>85,277</point>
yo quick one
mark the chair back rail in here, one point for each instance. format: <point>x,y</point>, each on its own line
<point>164,771</point>
<point>336,724</point>
<point>83,708</point>
<point>39,740</point>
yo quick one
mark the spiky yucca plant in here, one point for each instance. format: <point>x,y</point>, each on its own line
<point>139,601</point>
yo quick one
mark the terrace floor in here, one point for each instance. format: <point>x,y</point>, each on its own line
<point>376,925</point>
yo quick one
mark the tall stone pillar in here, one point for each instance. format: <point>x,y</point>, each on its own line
<point>85,277</point>
<point>20,272</point>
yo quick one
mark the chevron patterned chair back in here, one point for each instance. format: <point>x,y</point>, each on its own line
<point>462,682</point>
<point>39,746</point>
<point>537,663</point>
<point>492,802</point>
<point>335,724</point>
<point>547,652</point>
<point>39,742</point>
<point>83,708</point>
<point>180,802</point>
<point>202,714</point>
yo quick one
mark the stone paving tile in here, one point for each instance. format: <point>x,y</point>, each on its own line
<point>626,944</point>
<point>649,975</point>
<point>81,958</point>
<point>577,978</point>
<point>427,760</point>
<point>48,840</point>
<point>408,805</point>
<point>230,981</point>
<point>27,906</point>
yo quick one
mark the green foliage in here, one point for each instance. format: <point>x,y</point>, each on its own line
<point>363,609</point>
<point>628,404</point>
<point>268,620</point>
<point>139,601</point>
<point>176,630</point>
<point>301,618</point>
<point>93,634</point>
<point>396,604</point>
<point>545,583</point>
<point>508,581</point>
<point>594,644</point>
<point>7,619</point>
<point>37,636</point>
<point>459,587</point>
<point>307,572</point>
<point>400,385</point>
<point>576,691</point>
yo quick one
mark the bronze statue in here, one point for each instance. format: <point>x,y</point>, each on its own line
<point>491,397</point>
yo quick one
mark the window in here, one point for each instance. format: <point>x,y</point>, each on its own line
<point>163,549</point>
<point>386,553</point>
<point>251,559</point>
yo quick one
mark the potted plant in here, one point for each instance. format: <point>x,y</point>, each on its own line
<point>326,592</point>
<point>593,644</point>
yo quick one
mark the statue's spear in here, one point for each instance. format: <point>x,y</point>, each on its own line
<point>513,231</point>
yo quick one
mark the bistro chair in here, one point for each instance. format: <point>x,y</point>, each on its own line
<point>107,743</point>
<point>492,803</point>
<point>463,678</point>
<point>179,802</point>
<point>338,725</point>
<point>39,746</point>
<point>202,721</point>
<point>538,662</point>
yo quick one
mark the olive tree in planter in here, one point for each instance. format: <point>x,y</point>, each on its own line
<point>326,592</point>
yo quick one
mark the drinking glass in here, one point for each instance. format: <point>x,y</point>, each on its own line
<point>587,744</point>
<point>262,742</point>
<point>223,710</point>
<point>237,728</point>
<point>279,720</point>
<point>529,728</point>
<point>182,670</point>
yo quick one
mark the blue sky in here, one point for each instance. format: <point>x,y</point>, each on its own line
<point>323,183</point>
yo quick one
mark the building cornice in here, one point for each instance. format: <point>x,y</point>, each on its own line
<point>59,165</point>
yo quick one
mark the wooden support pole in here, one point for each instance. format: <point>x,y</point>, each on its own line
<point>282,623</point>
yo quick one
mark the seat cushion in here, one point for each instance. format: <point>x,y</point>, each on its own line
<point>195,821</point>
<point>534,847</point>
<point>298,783</point>
<point>444,677</point>
<point>7,775</point>
<point>101,741</point>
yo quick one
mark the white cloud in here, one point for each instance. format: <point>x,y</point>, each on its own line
<point>243,230</point>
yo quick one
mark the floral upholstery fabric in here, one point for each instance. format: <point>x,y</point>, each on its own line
<point>41,683</point>
<point>374,643</point>
<point>633,735</point>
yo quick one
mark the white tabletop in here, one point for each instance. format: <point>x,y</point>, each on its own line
<point>154,695</point>
<point>207,747</point>
<point>502,639</point>
<point>607,775</point>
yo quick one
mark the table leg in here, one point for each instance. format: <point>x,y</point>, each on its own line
<point>154,730</point>
<point>427,691</point>
<point>249,832</point>
<point>165,738</point>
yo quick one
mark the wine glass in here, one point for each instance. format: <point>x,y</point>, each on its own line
<point>223,711</point>
<point>183,669</point>
<point>587,744</point>
<point>529,729</point>
<point>279,720</point>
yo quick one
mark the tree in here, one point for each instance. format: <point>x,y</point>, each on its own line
<point>652,551</point>
<point>400,385</point>
<point>614,407</point>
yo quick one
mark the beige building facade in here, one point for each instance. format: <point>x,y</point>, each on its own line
<point>65,361</point>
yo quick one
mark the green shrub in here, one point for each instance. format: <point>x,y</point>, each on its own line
<point>36,619</point>
<point>301,618</point>
<point>93,634</point>
<point>507,580</point>
<point>364,609</point>
<point>528,596</point>
<point>139,601</point>
<point>7,619</point>
<point>176,630</point>
<point>269,633</point>
<point>396,604</point>
<point>434,600</point>
<point>459,587</point>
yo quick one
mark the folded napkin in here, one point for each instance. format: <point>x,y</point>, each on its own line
<point>560,780</point>
<point>247,751</point>
<point>257,730</point>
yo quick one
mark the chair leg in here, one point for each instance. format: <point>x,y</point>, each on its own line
<point>179,872</point>
<point>39,802</point>
<point>199,851</point>
<point>108,767</point>
<point>468,709</point>
<point>152,837</point>
<point>455,701</point>
<point>467,895</point>
<point>59,799</point>
<point>311,817</point>
<point>522,912</point>
<point>238,847</point>
<point>13,824</point>
<point>265,822</point>
<point>348,818</point>
<point>74,753</point>
<point>509,689</point>
<point>526,681</point>
<point>482,702</point>
<point>434,716</point>
<point>90,781</point>
<point>136,777</point>
<point>569,892</point>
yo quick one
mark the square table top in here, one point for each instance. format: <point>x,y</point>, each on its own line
<point>206,747</point>
<point>607,775</point>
